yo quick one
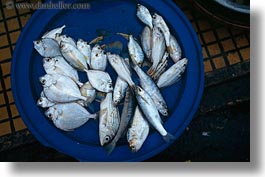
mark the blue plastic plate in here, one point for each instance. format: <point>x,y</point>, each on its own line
<point>105,17</point>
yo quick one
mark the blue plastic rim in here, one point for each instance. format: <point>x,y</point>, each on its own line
<point>104,17</point>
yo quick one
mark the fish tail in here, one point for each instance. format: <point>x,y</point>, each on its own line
<point>93,116</point>
<point>151,71</point>
<point>126,36</point>
<point>110,147</point>
<point>168,138</point>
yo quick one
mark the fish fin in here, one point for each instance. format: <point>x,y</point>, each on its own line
<point>110,147</point>
<point>151,71</point>
<point>96,40</point>
<point>94,116</point>
<point>126,36</point>
<point>168,138</point>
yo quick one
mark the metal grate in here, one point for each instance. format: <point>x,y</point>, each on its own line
<point>222,47</point>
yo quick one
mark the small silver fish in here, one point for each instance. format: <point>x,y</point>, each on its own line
<point>173,74</point>
<point>146,41</point>
<point>109,120</point>
<point>159,22</point>
<point>121,68</point>
<point>44,102</point>
<point>73,56</point>
<point>149,110</point>
<point>150,87</point>
<point>98,58</point>
<point>100,80</point>
<point>69,116</point>
<point>119,90</point>
<point>60,89</point>
<point>47,47</point>
<point>58,65</point>
<point>161,67</point>
<point>63,38</point>
<point>85,49</point>
<point>174,49</point>
<point>88,91</point>
<point>135,51</point>
<point>51,34</point>
<point>158,49</point>
<point>144,15</point>
<point>127,113</point>
<point>137,131</point>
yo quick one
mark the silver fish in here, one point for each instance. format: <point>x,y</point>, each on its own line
<point>149,110</point>
<point>100,80</point>
<point>150,87</point>
<point>127,113</point>
<point>73,56</point>
<point>135,51</point>
<point>146,41</point>
<point>121,68</point>
<point>69,116</point>
<point>88,91</point>
<point>159,22</point>
<point>173,74</point>
<point>61,89</point>
<point>144,15</point>
<point>109,120</point>
<point>119,90</point>
<point>44,102</point>
<point>85,49</point>
<point>158,49</point>
<point>161,67</point>
<point>98,58</point>
<point>137,131</point>
<point>63,38</point>
<point>174,49</point>
<point>58,65</point>
<point>51,34</point>
<point>47,47</point>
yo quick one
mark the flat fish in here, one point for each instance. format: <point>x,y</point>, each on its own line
<point>52,33</point>
<point>100,80</point>
<point>69,116</point>
<point>47,47</point>
<point>73,56</point>
<point>60,89</point>
<point>58,65</point>
<point>98,58</point>
<point>85,49</point>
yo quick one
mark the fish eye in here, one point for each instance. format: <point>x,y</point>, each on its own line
<point>49,115</point>
<point>40,100</point>
<point>43,81</point>
<point>37,42</point>
<point>107,138</point>
<point>97,55</point>
<point>48,59</point>
<point>154,16</point>
<point>99,48</point>
<point>104,53</point>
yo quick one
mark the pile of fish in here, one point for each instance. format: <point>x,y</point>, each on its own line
<point>67,99</point>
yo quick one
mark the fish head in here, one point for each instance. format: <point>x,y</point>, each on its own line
<point>105,140</point>
<point>106,87</point>
<point>48,62</point>
<point>43,102</point>
<point>52,113</point>
<point>116,98</point>
<point>135,144</point>
<point>164,112</point>
<point>112,58</point>
<point>184,62</point>
<point>156,18</point>
<point>138,90</point>
<point>64,46</point>
<point>47,80</point>
<point>38,45</point>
